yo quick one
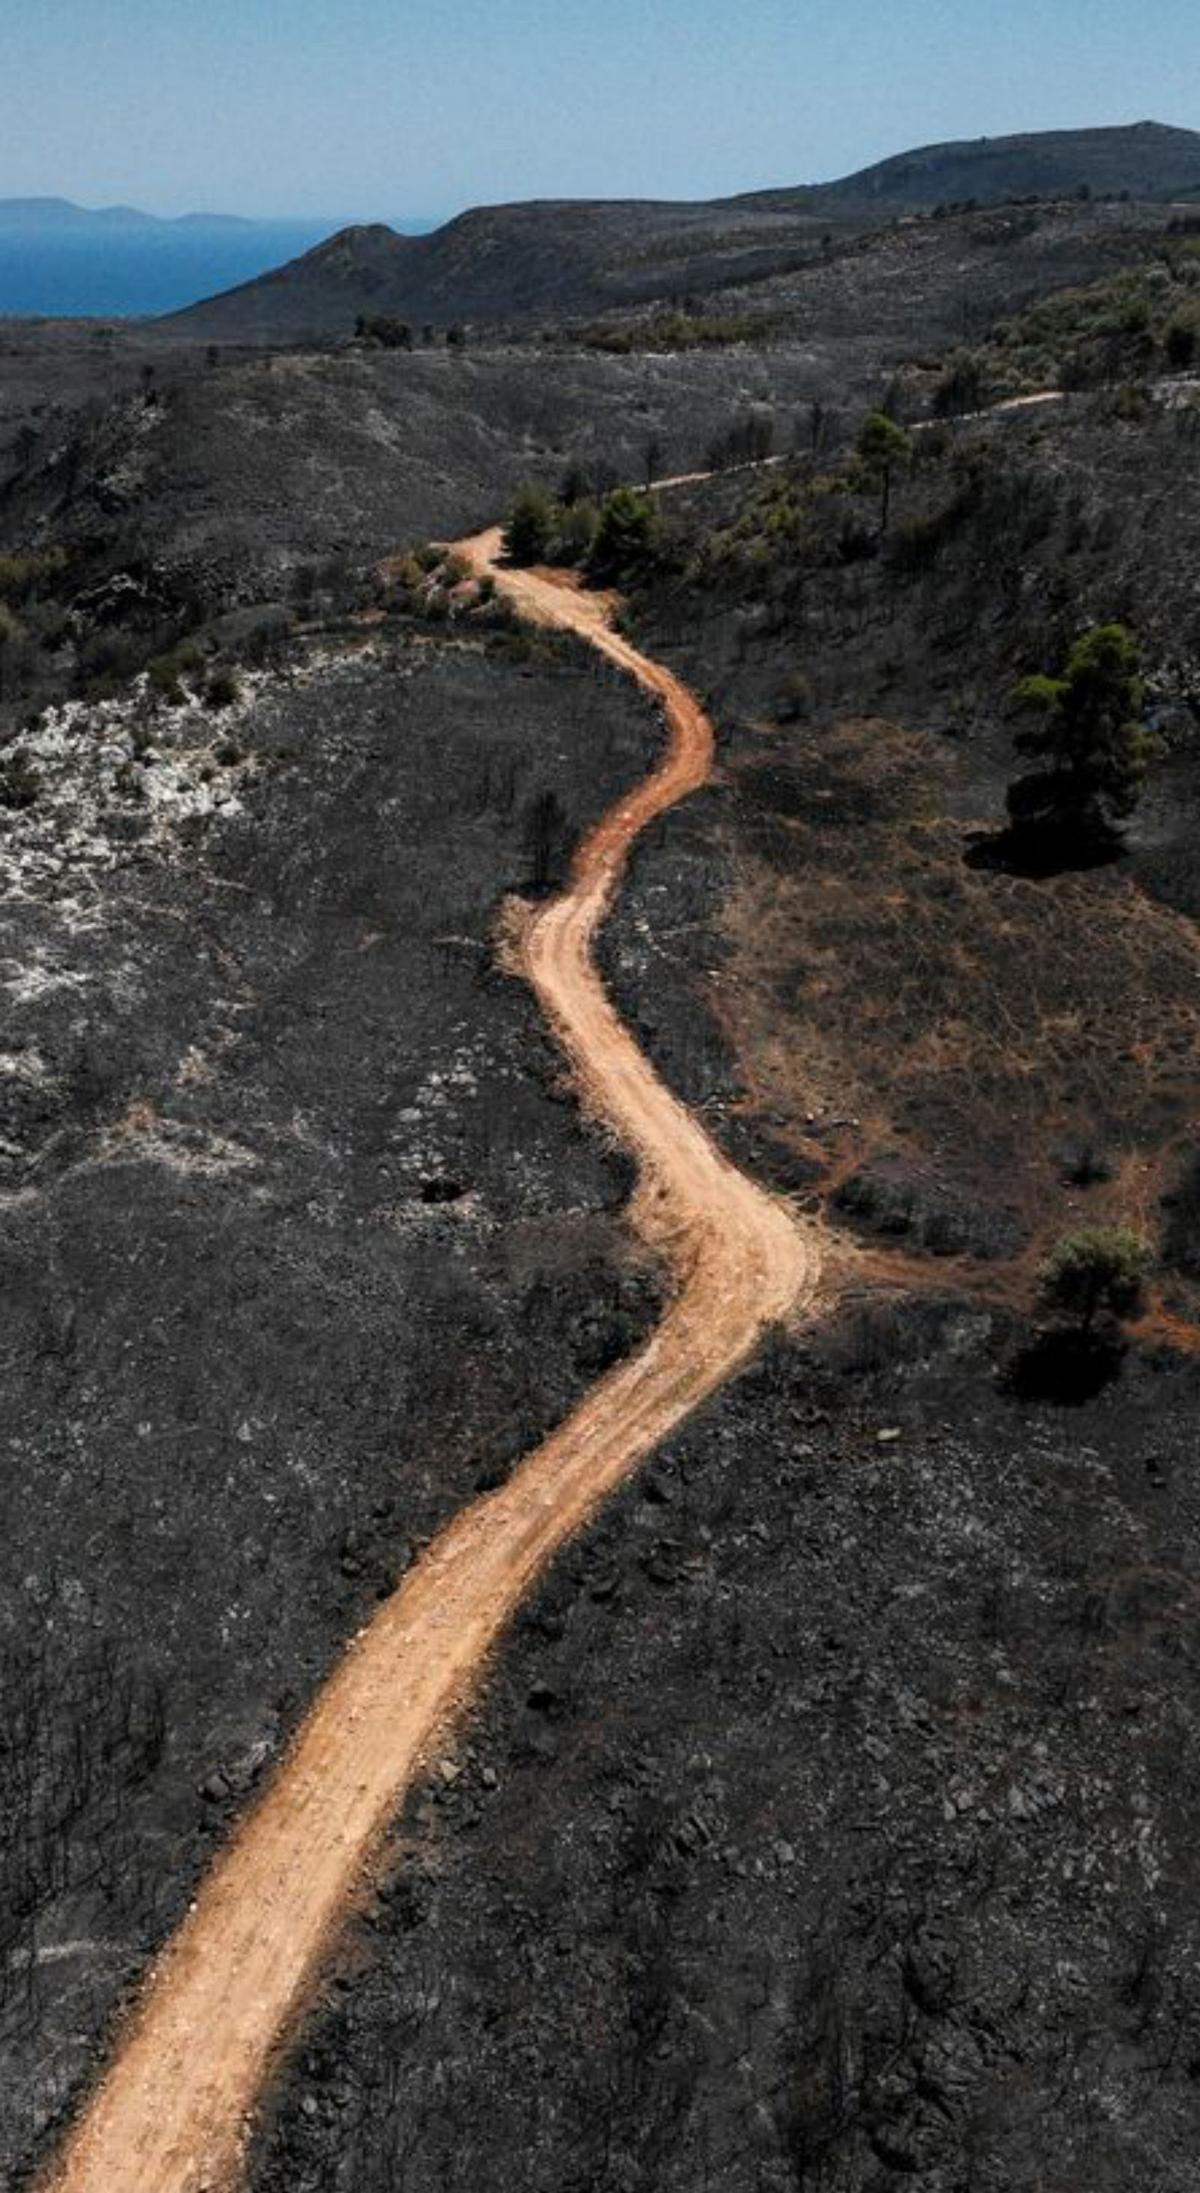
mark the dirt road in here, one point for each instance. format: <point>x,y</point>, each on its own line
<point>172,2113</point>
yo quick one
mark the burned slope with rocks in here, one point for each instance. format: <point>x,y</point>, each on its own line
<point>182,483</point>
<point>825,1822</point>
<point>302,1246</point>
<point>826,1825</point>
<point>510,263</point>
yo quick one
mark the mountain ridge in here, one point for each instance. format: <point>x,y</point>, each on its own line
<point>512,261</point>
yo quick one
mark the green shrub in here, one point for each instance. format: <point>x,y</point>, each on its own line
<point>25,571</point>
<point>674,331</point>
<point>1090,739</point>
<point>628,538</point>
<point>530,527</point>
<point>163,678</point>
<point>1100,1270</point>
<point>382,330</point>
<point>883,449</point>
<point>576,526</point>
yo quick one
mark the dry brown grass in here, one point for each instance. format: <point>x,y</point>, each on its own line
<point>977,1024</point>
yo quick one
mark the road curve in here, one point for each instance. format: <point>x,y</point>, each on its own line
<point>172,2113</point>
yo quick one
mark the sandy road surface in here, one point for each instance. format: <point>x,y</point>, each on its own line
<point>171,2114</point>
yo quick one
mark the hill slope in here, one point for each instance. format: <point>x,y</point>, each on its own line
<point>1148,159</point>
<point>512,262</point>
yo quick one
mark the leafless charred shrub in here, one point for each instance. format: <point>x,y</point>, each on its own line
<point>1181,1206</point>
<point>77,1741</point>
<point>747,441</point>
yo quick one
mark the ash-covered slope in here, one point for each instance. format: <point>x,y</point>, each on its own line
<point>504,263</point>
<point>1147,159</point>
<point>509,263</point>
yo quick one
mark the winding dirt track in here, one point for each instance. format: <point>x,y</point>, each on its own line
<point>172,2113</point>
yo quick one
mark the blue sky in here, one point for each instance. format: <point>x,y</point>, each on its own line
<point>388,107</point>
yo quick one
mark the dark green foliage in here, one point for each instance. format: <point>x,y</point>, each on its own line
<point>675,331</point>
<point>574,533</point>
<point>628,538</point>
<point>961,389</point>
<point>164,683</point>
<point>1090,739</point>
<point>542,530</point>
<point>1128,326</point>
<point>380,329</point>
<point>883,448</point>
<point>1100,1269</point>
<point>530,527</point>
<point>28,571</point>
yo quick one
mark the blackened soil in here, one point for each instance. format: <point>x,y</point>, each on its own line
<point>828,1823</point>
<point>303,1243</point>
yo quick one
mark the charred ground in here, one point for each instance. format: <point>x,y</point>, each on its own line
<point>302,1247</point>
<point>827,1823</point>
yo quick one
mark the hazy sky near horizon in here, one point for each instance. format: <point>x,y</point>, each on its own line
<point>384,108</point>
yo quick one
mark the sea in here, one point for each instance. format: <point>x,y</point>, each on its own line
<point>136,272</point>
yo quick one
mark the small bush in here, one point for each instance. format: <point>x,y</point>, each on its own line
<point>128,782</point>
<point>575,533</point>
<point>794,698</point>
<point>381,330</point>
<point>27,571</point>
<point>19,781</point>
<point>163,678</point>
<point>1099,1271</point>
<point>530,527</point>
<point>674,331</point>
<point>105,661</point>
<point>408,574</point>
<point>223,688</point>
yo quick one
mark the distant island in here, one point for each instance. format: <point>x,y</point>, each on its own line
<point>59,259</point>
<point>58,214</point>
